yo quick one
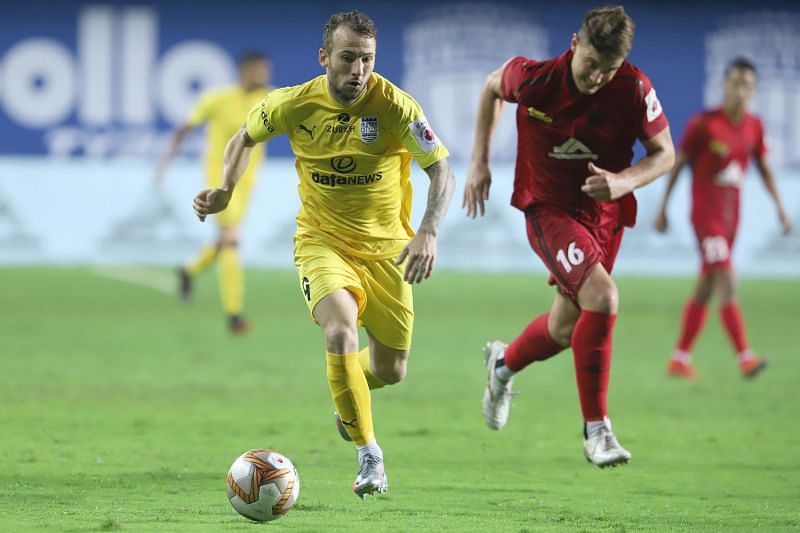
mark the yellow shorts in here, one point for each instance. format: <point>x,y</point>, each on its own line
<point>385,302</point>
<point>233,214</point>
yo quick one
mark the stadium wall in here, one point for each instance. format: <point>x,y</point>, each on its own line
<point>88,211</point>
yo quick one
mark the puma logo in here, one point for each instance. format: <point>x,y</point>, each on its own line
<point>352,423</point>
<point>309,131</point>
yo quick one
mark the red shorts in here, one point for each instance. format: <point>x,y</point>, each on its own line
<point>716,249</point>
<point>569,249</point>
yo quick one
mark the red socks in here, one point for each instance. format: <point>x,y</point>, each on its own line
<point>694,316</point>
<point>591,346</point>
<point>731,317</point>
<point>533,344</point>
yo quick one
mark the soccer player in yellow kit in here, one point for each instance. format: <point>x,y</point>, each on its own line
<point>223,111</point>
<point>353,134</point>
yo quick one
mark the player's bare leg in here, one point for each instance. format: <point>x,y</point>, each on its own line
<point>704,289</point>
<point>545,337</point>
<point>726,288</point>
<point>591,345</point>
<point>387,364</point>
<point>563,316</point>
<point>337,315</point>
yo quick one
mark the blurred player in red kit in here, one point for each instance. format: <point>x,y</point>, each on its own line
<point>579,116</point>
<point>718,145</point>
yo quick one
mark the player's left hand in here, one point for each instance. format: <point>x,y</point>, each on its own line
<point>603,185</point>
<point>786,223</point>
<point>421,256</point>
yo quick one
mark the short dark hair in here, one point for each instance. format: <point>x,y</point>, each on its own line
<point>741,63</point>
<point>251,56</point>
<point>355,20</point>
<point>609,30</point>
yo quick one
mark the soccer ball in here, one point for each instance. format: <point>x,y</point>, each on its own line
<point>263,485</point>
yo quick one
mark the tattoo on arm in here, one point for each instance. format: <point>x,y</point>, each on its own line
<point>439,195</point>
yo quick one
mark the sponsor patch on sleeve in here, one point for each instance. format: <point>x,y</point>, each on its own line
<point>653,105</point>
<point>426,139</point>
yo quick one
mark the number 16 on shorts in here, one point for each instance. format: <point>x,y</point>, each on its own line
<point>573,257</point>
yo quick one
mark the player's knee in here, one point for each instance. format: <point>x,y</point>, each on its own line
<point>562,333</point>
<point>606,300</point>
<point>393,370</point>
<point>228,238</point>
<point>704,290</point>
<point>341,338</point>
<point>229,242</point>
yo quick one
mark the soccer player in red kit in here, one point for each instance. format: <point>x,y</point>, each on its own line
<point>718,145</point>
<point>578,118</point>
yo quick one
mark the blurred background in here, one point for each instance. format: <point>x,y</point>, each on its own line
<point>90,92</point>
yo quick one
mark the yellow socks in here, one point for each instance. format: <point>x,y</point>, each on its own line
<point>231,281</point>
<point>373,381</point>
<point>351,396</point>
<point>203,260</point>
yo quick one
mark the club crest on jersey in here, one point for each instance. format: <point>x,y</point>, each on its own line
<point>369,129</point>
<point>573,149</point>
<point>426,139</point>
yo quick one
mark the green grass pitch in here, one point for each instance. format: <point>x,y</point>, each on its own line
<point>121,408</point>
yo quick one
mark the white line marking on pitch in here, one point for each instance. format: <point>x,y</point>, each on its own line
<point>144,277</point>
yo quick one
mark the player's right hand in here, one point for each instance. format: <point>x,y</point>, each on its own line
<point>476,190</point>
<point>661,223</point>
<point>210,201</point>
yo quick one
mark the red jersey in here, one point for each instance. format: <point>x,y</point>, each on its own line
<point>719,151</point>
<point>561,130</point>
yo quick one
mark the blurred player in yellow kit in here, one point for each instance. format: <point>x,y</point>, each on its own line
<point>223,111</point>
<point>354,134</point>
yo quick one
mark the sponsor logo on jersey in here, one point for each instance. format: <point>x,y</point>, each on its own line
<point>653,105</point>
<point>369,129</point>
<point>426,139</point>
<point>339,129</point>
<point>730,176</point>
<point>343,163</point>
<point>265,120</point>
<point>343,118</point>
<point>302,127</point>
<point>573,149</point>
<point>336,180</point>
<point>539,115</point>
<point>719,148</point>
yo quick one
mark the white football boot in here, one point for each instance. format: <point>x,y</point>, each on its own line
<point>371,477</point>
<point>603,449</point>
<point>497,396</point>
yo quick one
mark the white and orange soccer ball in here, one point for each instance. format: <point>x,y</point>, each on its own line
<point>263,485</point>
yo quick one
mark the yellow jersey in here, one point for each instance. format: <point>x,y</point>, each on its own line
<point>353,162</point>
<point>224,111</point>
